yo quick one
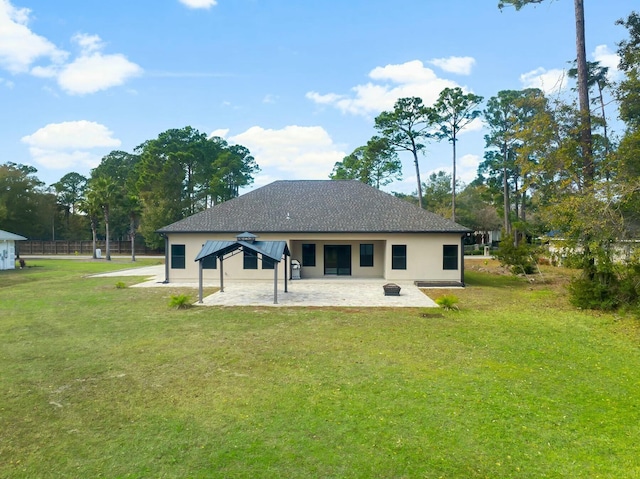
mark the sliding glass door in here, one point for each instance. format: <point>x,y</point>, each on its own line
<point>337,260</point>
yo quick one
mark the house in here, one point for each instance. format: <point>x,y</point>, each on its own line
<point>330,227</point>
<point>8,249</point>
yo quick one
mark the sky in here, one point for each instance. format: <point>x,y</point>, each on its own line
<point>298,82</point>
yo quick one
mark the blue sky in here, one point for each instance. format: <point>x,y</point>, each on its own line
<point>298,82</point>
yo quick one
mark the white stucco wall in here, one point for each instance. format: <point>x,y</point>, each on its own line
<point>424,256</point>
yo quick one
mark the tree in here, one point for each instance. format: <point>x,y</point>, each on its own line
<point>506,116</point>
<point>182,172</point>
<point>70,190</point>
<point>25,207</point>
<point>406,128</point>
<point>133,206</point>
<point>232,169</point>
<point>583,82</point>
<point>104,192</point>
<point>476,210</point>
<point>375,164</point>
<point>91,207</point>
<point>454,111</point>
<point>597,76</point>
<point>628,93</point>
<point>437,192</point>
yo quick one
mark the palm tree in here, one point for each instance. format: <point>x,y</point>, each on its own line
<point>104,192</point>
<point>92,209</point>
<point>133,206</point>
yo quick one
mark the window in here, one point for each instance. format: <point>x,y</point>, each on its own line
<point>267,263</point>
<point>366,255</point>
<point>250,259</point>
<point>209,262</point>
<point>399,256</point>
<point>308,255</point>
<point>450,256</point>
<point>178,256</point>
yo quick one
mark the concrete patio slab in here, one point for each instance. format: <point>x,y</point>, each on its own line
<point>335,292</point>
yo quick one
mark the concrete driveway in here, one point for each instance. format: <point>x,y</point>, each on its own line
<point>336,292</point>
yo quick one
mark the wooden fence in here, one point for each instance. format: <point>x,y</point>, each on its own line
<point>33,247</point>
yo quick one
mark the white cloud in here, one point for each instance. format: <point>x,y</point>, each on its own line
<point>19,46</point>
<point>459,65</point>
<point>549,81</point>
<point>468,168</point>
<point>293,152</point>
<point>475,125</point>
<point>95,72</point>
<point>199,3</point>
<point>91,71</point>
<point>221,132</point>
<point>607,58</point>
<point>70,145</point>
<point>88,43</point>
<point>327,99</point>
<point>389,83</point>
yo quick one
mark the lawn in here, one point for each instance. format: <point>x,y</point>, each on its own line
<point>100,381</point>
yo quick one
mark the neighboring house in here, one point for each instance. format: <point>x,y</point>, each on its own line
<point>8,249</point>
<point>331,227</point>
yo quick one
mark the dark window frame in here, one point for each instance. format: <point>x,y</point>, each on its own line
<point>178,259</point>
<point>210,262</point>
<point>450,257</point>
<point>250,259</point>
<point>366,258</point>
<point>268,263</point>
<point>308,257</point>
<point>399,256</point>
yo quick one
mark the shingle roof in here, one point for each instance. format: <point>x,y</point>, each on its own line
<point>315,206</point>
<point>5,235</point>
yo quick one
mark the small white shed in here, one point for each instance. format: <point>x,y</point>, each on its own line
<point>8,249</point>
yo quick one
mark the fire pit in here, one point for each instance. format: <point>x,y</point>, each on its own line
<point>391,289</point>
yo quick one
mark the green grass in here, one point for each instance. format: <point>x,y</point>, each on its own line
<point>98,381</point>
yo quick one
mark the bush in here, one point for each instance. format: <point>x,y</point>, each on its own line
<point>520,259</point>
<point>605,284</point>
<point>589,293</point>
<point>120,285</point>
<point>448,302</point>
<point>180,301</point>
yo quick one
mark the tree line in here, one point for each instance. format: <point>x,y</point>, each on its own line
<point>177,174</point>
<point>551,168</point>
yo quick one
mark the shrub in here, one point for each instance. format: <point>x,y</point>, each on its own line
<point>520,259</point>
<point>120,285</point>
<point>589,293</point>
<point>448,302</point>
<point>180,301</point>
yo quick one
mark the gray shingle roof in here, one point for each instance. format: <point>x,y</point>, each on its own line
<point>315,206</point>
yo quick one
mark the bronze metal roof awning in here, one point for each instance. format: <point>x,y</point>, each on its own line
<point>274,250</point>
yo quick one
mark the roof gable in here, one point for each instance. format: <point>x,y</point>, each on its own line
<point>5,235</point>
<point>318,206</point>
<point>272,249</point>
